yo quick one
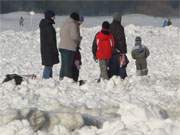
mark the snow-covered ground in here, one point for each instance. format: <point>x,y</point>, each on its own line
<point>147,105</point>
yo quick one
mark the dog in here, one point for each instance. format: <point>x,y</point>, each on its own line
<point>17,78</point>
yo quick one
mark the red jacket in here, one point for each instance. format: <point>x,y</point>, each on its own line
<point>105,45</point>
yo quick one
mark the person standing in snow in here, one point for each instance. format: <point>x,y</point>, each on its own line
<point>69,40</point>
<point>49,52</point>
<point>140,53</point>
<point>102,48</point>
<point>119,61</point>
<point>77,58</point>
<point>167,22</point>
<point>21,21</point>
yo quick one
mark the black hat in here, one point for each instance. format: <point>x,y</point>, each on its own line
<point>75,16</point>
<point>49,13</point>
<point>105,25</point>
<point>138,38</point>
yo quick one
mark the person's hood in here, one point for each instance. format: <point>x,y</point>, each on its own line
<point>104,35</point>
<point>105,31</point>
<point>48,14</point>
<point>117,17</point>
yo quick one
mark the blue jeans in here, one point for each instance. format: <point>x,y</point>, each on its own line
<point>47,72</point>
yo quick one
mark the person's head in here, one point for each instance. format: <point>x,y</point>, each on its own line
<point>49,14</point>
<point>117,17</point>
<point>105,25</point>
<point>138,40</point>
<point>75,16</point>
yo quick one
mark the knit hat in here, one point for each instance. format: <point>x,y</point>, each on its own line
<point>75,16</point>
<point>117,16</point>
<point>138,38</point>
<point>49,13</point>
<point>105,25</point>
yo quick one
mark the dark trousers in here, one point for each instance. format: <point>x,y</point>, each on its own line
<point>115,69</point>
<point>122,72</point>
<point>67,59</point>
<point>75,74</point>
<point>114,65</point>
<point>47,72</point>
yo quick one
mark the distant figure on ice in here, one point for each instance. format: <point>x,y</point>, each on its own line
<point>167,22</point>
<point>49,51</point>
<point>69,41</point>
<point>21,21</point>
<point>102,48</point>
<point>119,61</point>
<point>140,53</point>
<point>77,57</point>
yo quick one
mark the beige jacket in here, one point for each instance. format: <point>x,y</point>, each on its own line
<point>69,35</point>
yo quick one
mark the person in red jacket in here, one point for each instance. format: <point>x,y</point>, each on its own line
<point>102,48</point>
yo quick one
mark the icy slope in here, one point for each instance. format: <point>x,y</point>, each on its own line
<point>139,101</point>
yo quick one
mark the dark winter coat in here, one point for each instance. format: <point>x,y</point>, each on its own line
<point>103,45</point>
<point>119,36</point>
<point>49,52</point>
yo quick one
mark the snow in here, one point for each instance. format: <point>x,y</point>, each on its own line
<point>135,106</point>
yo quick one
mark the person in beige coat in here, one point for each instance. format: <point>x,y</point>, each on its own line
<point>69,41</point>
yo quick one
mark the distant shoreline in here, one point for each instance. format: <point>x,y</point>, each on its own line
<point>166,8</point>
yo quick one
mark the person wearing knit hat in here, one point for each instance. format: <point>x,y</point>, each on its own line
<point>140,53</point>
<point>70,39</point>
<point>49,51</point>
<point>102,48</point>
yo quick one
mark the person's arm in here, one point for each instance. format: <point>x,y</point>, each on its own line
<point>94,48</point>
<point>112,42</point>
<point>74,33</point>
<point>132,54</point>
<point>147,52</point>
<point>123,42</point>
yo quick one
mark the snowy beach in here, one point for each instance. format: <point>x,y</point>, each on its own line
<point>147,105</point>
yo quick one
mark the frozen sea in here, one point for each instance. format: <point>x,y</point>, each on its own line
<point>135,106</point>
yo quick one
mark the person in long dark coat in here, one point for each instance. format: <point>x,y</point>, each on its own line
<point>120,48</point>
<point>49,51</point>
